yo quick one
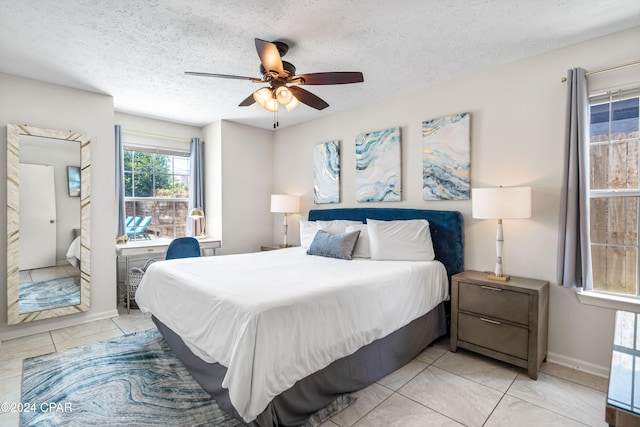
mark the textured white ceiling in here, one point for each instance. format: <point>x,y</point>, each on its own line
<point>137,50</point>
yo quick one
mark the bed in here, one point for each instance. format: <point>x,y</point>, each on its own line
<point>73,253</point>
<point>271,355</point>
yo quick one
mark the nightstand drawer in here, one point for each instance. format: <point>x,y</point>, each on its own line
<point>495,302</point>
<point>489,333</point>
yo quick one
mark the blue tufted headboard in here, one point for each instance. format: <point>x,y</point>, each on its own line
<point>447,228</point>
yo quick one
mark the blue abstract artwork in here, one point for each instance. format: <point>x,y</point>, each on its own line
<point>378,166</point>
<point>446,158</point>
<point>326,172</point>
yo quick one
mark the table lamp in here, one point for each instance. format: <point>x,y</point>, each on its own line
<point>198,213</point>
<point>284,203</point>
<point>500,203</point>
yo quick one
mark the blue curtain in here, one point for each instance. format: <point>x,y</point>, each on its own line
<point>196,193</point>
<point>120,181</point>
<point>574,252</point>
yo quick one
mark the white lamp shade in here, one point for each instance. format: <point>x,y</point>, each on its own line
<point>292,104</point>
<point>284,95</point>
<point>501,203</point>
<point>285,203</point>
<point>262,96</point>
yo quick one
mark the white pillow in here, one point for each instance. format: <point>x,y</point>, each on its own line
<point>362,245</point>
<point>408,240</point>
<point>337,226</point>
<point>307,232</point>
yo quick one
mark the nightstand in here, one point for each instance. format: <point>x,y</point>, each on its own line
<point>269,247</point>
<point>507,321</point>
<point>274,247</point>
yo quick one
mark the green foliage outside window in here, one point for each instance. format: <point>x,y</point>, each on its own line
<point>151,175</point>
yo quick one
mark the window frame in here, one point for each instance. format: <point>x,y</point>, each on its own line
<point>611,97</point>
<point>176,225</point>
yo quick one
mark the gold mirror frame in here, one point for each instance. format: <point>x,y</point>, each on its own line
<point>13,216</point>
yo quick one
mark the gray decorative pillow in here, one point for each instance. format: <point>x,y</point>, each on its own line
<point>333,245</point>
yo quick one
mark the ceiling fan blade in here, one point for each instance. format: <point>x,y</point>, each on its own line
<point>247,101</point>
<point>308,98</point>
<point>223,76</point>
<point>332,78</point>
<point>269,56</point>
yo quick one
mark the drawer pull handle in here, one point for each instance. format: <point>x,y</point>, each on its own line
<point>491,288</point>
<point>495,322</point>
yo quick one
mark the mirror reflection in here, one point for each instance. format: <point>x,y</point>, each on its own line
<point>48,206</point>
<point>49,249</point>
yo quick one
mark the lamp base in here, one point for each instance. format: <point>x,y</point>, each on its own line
<point>498,278</point>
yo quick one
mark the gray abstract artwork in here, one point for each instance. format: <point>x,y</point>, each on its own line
<point>326,172</point>
<point>446,158</point>
<point>378,166</point>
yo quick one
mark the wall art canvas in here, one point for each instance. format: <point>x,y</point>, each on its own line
<point>326,172</point>
<point>446,145</point>
<point>378,166</point>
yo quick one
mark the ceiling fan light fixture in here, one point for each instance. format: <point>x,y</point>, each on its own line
<point>284,95</point>
<point>292,104</point>
<point>266,98</point>
<point>271,105</point>
<point>262,96</point>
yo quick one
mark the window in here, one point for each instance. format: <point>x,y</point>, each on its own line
<point>156,187</point>
<point>615,192</point>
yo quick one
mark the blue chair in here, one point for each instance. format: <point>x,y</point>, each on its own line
<point>183,247</point>
<point>128,221</point>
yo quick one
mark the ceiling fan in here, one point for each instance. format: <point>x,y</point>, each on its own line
<point>284,84</point>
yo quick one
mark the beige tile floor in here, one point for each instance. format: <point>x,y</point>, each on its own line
<point>48,273</point>
<point>437,388</point>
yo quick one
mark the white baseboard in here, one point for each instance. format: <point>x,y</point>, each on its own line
<point>53,324</point>
<point>577,364</point>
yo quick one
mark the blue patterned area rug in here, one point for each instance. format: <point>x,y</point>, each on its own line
<point>132,380</point>
<point>61,292</point>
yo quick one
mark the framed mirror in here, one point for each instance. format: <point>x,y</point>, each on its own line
<point>48,229</point>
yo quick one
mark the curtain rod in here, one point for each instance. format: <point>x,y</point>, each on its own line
<point>157,134</point>
<point>604,70</point>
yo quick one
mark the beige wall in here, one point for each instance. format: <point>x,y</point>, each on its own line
<point>238,185</point>
<point>25,101</point>
<point>517,124</point>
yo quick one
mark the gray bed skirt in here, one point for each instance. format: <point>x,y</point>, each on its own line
<point>293,407</point>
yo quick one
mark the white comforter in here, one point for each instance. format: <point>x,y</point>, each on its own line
<point>273,318</point>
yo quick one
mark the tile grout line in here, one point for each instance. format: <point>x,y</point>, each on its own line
<point>429,408</point>
<point>397,391</point>
<point>117,326</point>
<point>504,393</point>
<point>53,342</point>
<point>565,415</point>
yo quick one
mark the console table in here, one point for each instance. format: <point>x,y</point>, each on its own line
<point>155,248</point>
<point>623,395</point>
